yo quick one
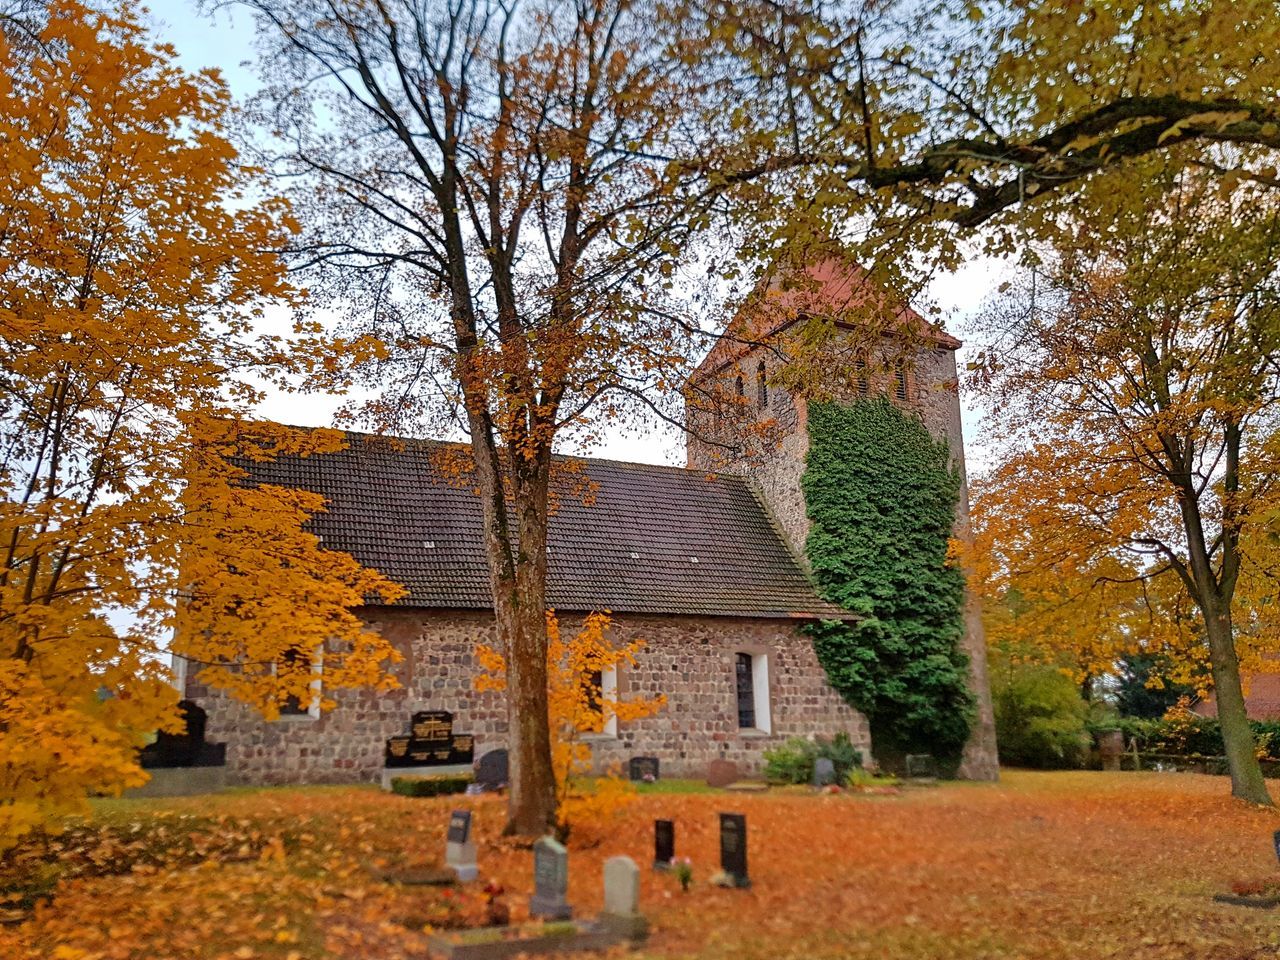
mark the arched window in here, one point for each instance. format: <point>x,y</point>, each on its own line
<point>762,388</point>
<point>740,387</point>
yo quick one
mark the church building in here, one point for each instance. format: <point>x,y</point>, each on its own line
<point>703,563</point>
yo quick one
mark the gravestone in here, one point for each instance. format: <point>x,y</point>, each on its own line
<point>721,773</point>
<point>621,913</point>
<point>921,766</point>
<point>664,843</point>
<point>733,848</point>
<point>824,772</point>
<point>1110,749</point>
<point>493,771</point>
<point>643,769</point>
<point>459,848</point>
<point>550,880</point>
<point>431,742</point>
<point>621,887</point>
<point>1275,839</point>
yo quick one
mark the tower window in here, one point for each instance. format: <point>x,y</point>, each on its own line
<point>860,374</point>
<point>900,382</point>
<point>762,388</point>
<point>739,387</point>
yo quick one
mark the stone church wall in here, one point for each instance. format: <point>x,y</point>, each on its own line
<point>689,659</point>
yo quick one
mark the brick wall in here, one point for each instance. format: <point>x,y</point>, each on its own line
<point>690,659</point>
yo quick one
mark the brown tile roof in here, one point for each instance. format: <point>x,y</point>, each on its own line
<point>628,546</point>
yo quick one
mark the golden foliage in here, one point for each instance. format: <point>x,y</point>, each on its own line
<point>578,705</point>
<point>135,264</point>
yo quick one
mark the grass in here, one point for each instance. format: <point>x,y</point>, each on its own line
<point>1041,865</point>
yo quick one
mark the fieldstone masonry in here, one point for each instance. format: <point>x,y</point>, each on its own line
<point>689,659</point>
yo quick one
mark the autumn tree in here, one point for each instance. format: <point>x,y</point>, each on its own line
<point>484,186</point>
<point>134,262</point>
<point>1135,383</point>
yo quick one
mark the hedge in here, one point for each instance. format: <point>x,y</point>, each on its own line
<point>436,786</point>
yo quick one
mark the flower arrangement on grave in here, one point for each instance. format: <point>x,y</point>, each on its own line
<point>497,912</point>
<point>682,869</point>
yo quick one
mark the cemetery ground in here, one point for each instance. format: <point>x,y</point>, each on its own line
<point>1042,865</point>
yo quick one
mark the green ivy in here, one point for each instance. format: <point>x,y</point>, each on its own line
<point>881,496</point>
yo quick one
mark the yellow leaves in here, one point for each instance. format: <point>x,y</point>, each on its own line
<point>1217,120</point>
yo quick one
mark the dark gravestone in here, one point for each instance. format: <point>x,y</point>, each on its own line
<point>431,743</point>
<point>185,749</point>
<point>493,771</point>
<point>550,880</point>
<point>644,768</point>
<point>721,773</point>
<point>664,843</point>
<point>921,766</point>
<point>1276,840</point>
<point>824,772</point>
<point>733,848</point>
<point>459,826</point>
<point>459,850</point>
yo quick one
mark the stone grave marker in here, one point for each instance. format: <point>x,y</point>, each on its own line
<point>622,899</point>
<point>721,773</point>
<point>550,880</point>
<point>460,849</point>
<point>733,848</point>
<point>664,843</point>
<point>643,769</point>
<point>824,772</point>
<point>1275,839</point>
<point>921,766</point>
<point>493,771</point>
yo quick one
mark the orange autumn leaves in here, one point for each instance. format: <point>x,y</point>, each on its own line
<point>580,701</point>
<point>135,266</point>
<point>1055,866</point>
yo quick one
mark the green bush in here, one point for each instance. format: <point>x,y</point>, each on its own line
<point>1040,719</point>
<point>436,786</point>
<point>793,761</point>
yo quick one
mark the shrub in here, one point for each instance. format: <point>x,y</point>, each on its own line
<point>793,761</point>
<point>435,786</point>
<point>1040,719</point>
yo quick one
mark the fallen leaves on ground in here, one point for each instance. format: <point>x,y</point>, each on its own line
<point>1042,865</point>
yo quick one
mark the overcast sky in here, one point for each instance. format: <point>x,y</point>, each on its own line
<point>225,40</point>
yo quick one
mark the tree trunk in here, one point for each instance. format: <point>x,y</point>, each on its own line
<point>1237,736</point>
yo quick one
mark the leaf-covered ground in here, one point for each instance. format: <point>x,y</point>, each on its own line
<point>1041,866</point>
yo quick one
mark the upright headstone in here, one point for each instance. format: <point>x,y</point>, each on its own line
<point>733,848</point>
<point>493,770</point>
<point>459,848</point>
<point>643,769</point>
<point>664,843</point>
<point>622,899</point>
<point>550,880</point>
<point>921,766</point>
<point>1275,839</point>
<point>721,773</point>
<point>824,772</point>
<point>621,886</point>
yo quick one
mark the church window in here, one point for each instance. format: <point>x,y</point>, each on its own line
<point>295,706</point>
<point>762,388</point>
<point>860,373</point>
<point>600,687</point>
<point>739,387</point>
<point>751,681</point>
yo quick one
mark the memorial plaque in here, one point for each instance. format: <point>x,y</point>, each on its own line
<point>459,826</point>
<point>463,748</point>
<point>733,848</point>
<point>664,843</point>
<point>434,726</point>
<point>644,769</point>
<point>550,880</point>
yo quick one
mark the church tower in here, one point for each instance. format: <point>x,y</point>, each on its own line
<point>830,335</point>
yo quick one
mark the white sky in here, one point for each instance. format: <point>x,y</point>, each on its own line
<point>225,40</point>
